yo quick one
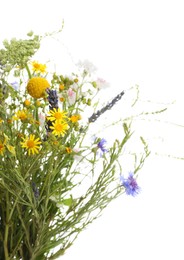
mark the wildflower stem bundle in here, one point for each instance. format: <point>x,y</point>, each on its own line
<point>56,177</point>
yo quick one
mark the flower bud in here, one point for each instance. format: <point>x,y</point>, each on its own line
<point>76,80</point>
<point>27,103</point>
<point>89,102</point>
<point>38,103</point>
<point>94,84</point>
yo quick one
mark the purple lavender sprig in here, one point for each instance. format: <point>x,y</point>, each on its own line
<point>52,98</point>
<point>53,103</point>
<point>96,115</point>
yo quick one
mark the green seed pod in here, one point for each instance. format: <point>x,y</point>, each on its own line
<point>83,100</point>
<point>89,102</point>
<point>94,84</point>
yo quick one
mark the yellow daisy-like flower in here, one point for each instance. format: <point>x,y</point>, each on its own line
<point>75,118</point>
<point>31,144</point>
<point>36,87</point>
<point>2,148</point>
<point>57,114</point>
<point>21,114</point>
<point>59,128</point>
<point>38,67</point>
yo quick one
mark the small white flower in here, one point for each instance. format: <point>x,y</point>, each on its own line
<point>41,118</point>
<point>102,83</point>
<point>77,155</point>
<point>71,96</point>
<point>87,65</point>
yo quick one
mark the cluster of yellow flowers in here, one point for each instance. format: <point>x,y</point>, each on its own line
<point>59,119</point>
<point>60,122</point>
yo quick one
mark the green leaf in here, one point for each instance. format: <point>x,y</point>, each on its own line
<point>68,202</point>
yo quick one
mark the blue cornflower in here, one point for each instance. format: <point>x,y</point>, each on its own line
<point>101,145</point>
<point>15,85</point>
<point>130,185</point>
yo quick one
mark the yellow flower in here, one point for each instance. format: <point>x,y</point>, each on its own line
<point>43,68</point>
<point>36,87</point>
<point>61,87</point>
<point>31,144</point>
<point>38,67</point>
<point>68,150</point>
<point>6,138</point>
<point>75,118</point>
<point>27,103</point>
<point>11,149</point>
<point>59,128</point>
<point>2,148</point>
<point>21,114</point>
<point>1,120</point>
<point>56,114</point>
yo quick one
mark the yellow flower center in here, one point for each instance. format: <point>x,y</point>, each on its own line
<point>36,66</point>
<point>30,143</point>
<point>1,148</point>
<point>61,99</point>
<point>58,115</point>
<point>59,127</point>
<point>22,115</point>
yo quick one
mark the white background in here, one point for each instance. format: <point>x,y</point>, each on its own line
<point>131,42</point>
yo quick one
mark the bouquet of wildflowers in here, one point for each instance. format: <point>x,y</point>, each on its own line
<point>57,171</point>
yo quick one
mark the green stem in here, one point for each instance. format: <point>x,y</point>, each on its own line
<point>28,71</point>
<point>18,195</point>
<point>36,112</point>
<point>60,252</point>
<point>6,254</point>
<point>25,229</point>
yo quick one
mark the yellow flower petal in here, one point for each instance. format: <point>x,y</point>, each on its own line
<point>11,149</point>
